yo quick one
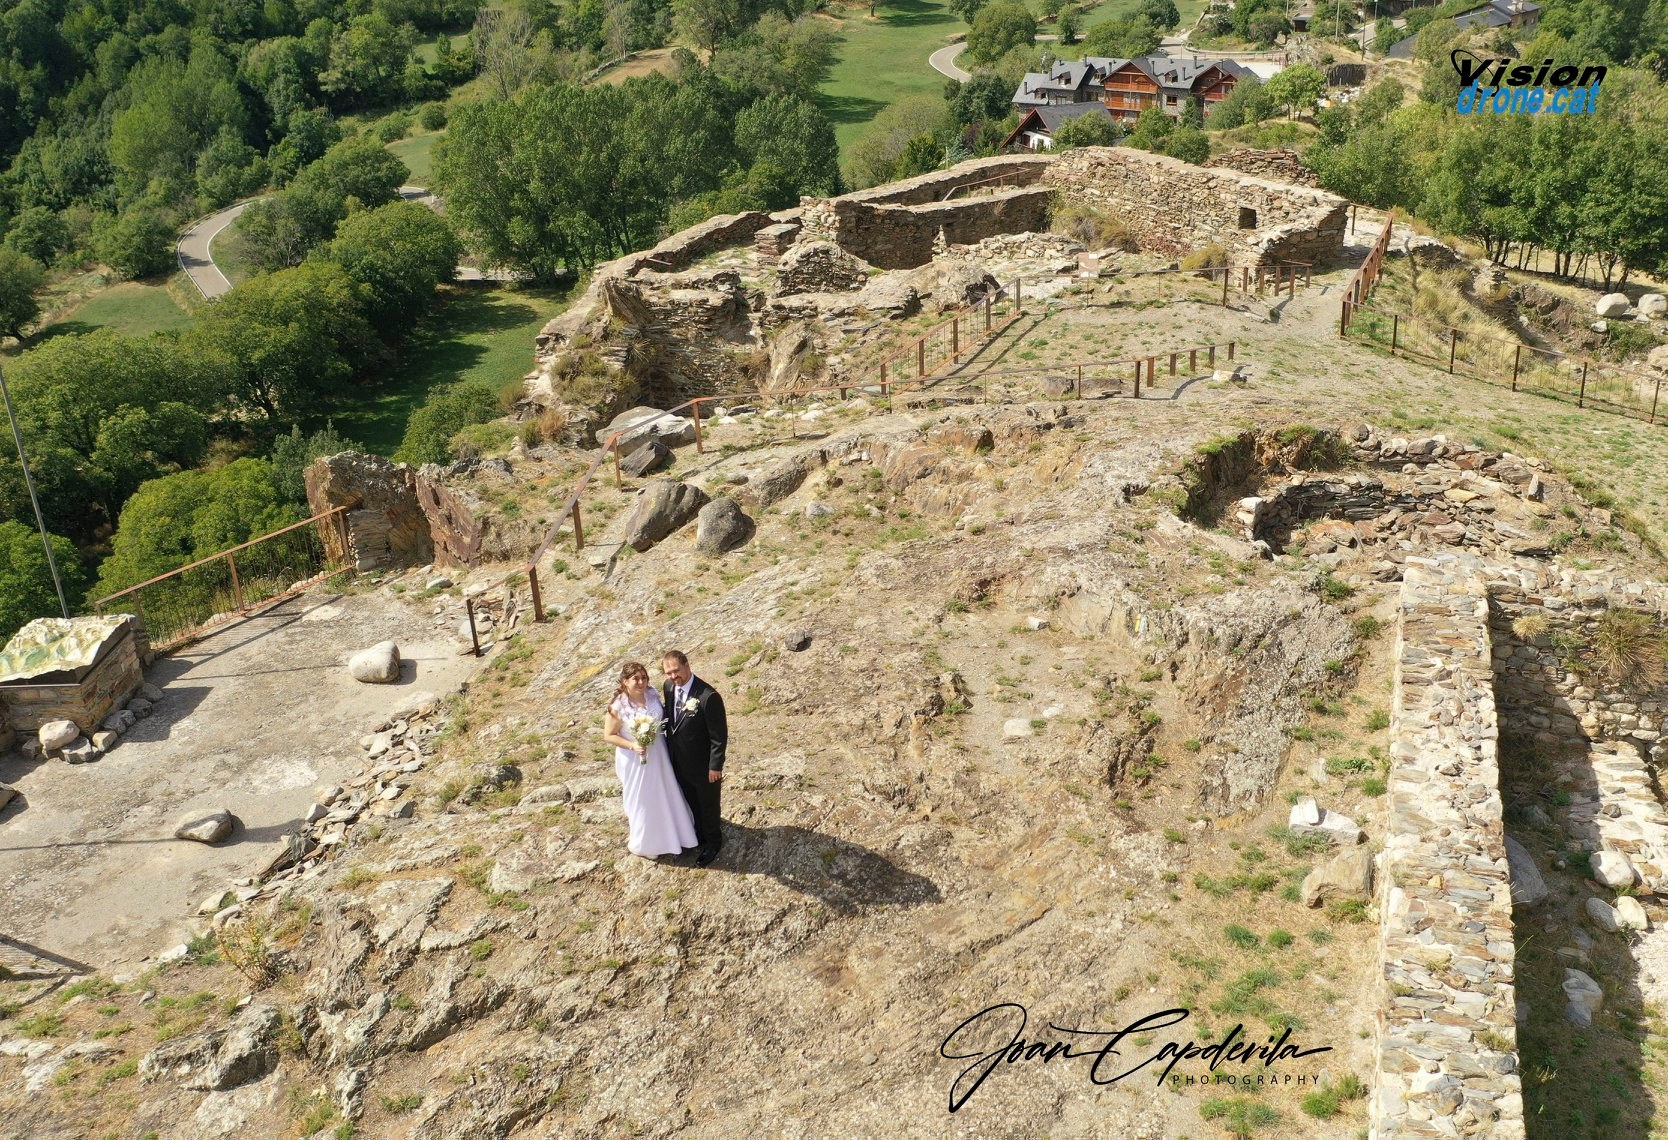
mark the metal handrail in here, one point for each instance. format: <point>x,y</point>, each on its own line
<point>227,553</point>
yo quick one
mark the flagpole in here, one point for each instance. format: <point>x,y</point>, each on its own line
<point>29,481</point>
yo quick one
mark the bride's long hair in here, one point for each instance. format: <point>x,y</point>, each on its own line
<point>627,671</point>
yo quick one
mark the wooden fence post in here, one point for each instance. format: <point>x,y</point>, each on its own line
<point>699,443</point>
<point>1395,332</point>
<point>474,635</point>
<point>921,357</point>
<point>987,314</point>
<point>1225,272</point>
<point>1231,350</point>
<point>1210,361</point>
<point>1453,349</point>
<point>1172,364</point>
<point>1192,361</point>
<point>1138,379</point>
<point>955,337</point>
<point>1581,400</point>
<point>578,529</point>
<point>538,599</point>
<point>1654,397</point>
<point>615,448</point>
<point>237,587</point>
<point>885,388</point>
<point>1517,363</point>
<point>1079,381</point>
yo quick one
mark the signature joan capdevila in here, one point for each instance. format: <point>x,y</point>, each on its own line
<point>995,1036</point>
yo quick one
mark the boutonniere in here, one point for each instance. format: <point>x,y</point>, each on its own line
<point>691,706</point>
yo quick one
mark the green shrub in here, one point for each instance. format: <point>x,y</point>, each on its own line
<point>430,430</point>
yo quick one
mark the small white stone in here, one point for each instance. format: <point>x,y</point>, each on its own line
<point>1016,727</point>
<point>1630,915</point>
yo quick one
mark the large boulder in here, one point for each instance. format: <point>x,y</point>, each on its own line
<point>651,423</point>
<point>819,267</point>
<point>1653,304</point>
<point>1613,305</point>
<point>1347,875</point>
<point>1528,887</point>
<point>950,284</point>
<point>378,665</point>
<point>662,507</point>
<point>650,455</point>
<point>721,526</point>
<point>890,295</point>
<point>205,827</point>
<point>56,734</point>
<point>1658,358</point>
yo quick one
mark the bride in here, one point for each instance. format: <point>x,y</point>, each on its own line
<point>659,817</point>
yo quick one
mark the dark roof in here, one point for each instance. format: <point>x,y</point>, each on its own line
<point>1495,14</point>
<point>1052,117</point>
<point>1175,74</point>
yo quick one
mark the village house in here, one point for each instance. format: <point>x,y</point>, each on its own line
<point>1126,87</point>
<point>1036,128</point>
<point>1500,14</point>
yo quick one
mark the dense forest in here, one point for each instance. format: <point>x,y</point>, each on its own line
<point>121,122</point>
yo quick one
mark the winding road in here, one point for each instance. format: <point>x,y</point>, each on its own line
<point>195,248</point>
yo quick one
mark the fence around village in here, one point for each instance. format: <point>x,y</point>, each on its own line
<point>183,604</point>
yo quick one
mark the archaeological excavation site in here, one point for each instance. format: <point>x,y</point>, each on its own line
<point>1169,695</point>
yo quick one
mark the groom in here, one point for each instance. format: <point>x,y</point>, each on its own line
<point>696,736</point>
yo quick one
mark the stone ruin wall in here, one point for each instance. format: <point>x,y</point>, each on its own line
<point>1603,741</point>
<point>901,236</point>
<point>1449,1015</point>
<point>1447,1023</point>
<point>1175,207</point>
<point>1278,165</point>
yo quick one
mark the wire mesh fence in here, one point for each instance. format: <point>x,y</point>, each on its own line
<point>177,606</point>
<point>1581,381</point>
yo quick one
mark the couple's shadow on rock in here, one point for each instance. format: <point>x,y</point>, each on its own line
<point>845,877</point>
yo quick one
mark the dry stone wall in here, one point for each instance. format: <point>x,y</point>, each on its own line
<point>1175,207</point>
<point>1279,165</point>
<point>1446,1048</point>
<point>901,236</point>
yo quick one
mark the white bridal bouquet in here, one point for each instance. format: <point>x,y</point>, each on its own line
<point>644,729</point>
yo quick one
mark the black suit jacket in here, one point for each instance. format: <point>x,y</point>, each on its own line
<point>703,733</point>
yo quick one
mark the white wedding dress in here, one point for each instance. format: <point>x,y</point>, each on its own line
<point>661,823</point>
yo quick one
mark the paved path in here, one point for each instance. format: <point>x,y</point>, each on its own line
<point>195,248</point>
<point>253,718</point>
<point>943,61</point>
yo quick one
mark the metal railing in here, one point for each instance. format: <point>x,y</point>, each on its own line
<point>1583,381</point>
<point>181,605</point>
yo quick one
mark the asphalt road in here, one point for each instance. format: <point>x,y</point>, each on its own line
<point>196,247</point>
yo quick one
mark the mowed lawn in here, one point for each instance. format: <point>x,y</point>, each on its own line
<point>883,60</point>
<point>1189,9</point>
<point>134,308</point>
<point>480,331</point>
<point>417,152</point>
